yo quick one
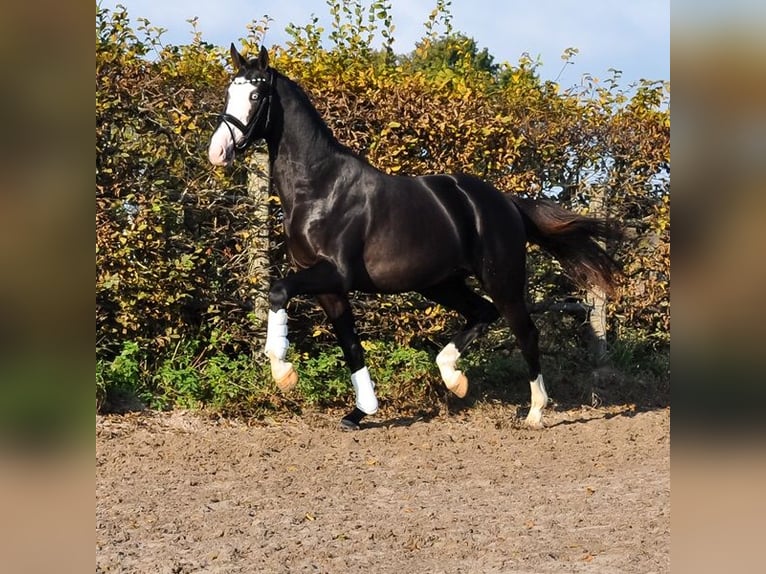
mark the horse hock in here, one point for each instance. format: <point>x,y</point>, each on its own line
<point>282,372</point>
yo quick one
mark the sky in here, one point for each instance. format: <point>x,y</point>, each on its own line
<point>629,35</point>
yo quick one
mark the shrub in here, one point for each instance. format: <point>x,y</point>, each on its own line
<point>176,322</point>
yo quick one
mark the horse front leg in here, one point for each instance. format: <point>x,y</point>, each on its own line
<point>327,284</point>
<point>338,310</point>
<point>320,278</point>
<point>282,372</point>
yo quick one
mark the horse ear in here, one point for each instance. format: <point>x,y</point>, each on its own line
<point>236,58</point>
<point>263,58</point>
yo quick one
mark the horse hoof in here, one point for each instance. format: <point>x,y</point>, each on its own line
<point>534,422</point>
<point>460,386</point>
<point>287,381</point>
<point>347,425</point>
<point>351,421</point>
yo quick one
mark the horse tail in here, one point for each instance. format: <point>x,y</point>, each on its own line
<point>572,239</point>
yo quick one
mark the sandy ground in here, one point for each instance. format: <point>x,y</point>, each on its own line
<point>472,492</point>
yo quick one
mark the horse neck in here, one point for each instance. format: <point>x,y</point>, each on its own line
<point>299,146</point>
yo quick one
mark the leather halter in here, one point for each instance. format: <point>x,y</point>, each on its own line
<point>264,108</point>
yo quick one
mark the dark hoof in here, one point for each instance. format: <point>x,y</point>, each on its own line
<point>351,420</point>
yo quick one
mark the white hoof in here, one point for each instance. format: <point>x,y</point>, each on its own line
<point>534,419</point>
<point>459,386</point>
<point>284,375</point>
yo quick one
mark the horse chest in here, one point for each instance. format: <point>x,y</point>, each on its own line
<point>315,234</point>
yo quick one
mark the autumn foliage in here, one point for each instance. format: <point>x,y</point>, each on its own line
<point>173,295</point>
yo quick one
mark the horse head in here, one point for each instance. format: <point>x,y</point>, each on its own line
<point>247,112</point>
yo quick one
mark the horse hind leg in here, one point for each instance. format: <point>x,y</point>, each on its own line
<point>516,314</point>
<point>507,291</point>
<point>479,314</point>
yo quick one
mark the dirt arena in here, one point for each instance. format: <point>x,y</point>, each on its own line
<point>468,492</point>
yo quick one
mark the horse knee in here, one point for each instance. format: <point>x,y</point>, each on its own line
<point>278,296</point>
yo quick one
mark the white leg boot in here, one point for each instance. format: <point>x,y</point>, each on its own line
<point>282,372</point>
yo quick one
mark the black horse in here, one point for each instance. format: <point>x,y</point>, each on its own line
<point>351,227</point>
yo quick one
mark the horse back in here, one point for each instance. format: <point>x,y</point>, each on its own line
<point>424,230</point>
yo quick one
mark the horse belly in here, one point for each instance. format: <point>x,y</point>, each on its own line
<point>407,261</point>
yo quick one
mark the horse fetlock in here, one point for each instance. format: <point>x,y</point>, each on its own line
<point>539,395</point>
<point>539,400</point>
<point>366,401</point>
<point>278,296</point>
<point>453,379</point>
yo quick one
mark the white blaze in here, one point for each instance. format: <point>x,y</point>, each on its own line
<point>221,149</point>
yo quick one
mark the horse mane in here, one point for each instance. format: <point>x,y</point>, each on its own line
<point>317,124</point>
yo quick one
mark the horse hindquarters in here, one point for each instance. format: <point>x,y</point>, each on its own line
<point>492,236</point>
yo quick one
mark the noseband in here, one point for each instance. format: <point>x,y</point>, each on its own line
<point>264,109</point>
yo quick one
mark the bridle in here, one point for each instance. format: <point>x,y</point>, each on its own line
<point>264,108</point>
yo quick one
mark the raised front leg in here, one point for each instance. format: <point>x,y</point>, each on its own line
<point>321,278</point>
<point>338,310</point>
<point>282,372</point>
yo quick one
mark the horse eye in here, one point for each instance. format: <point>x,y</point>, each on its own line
<point>254,96</point>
